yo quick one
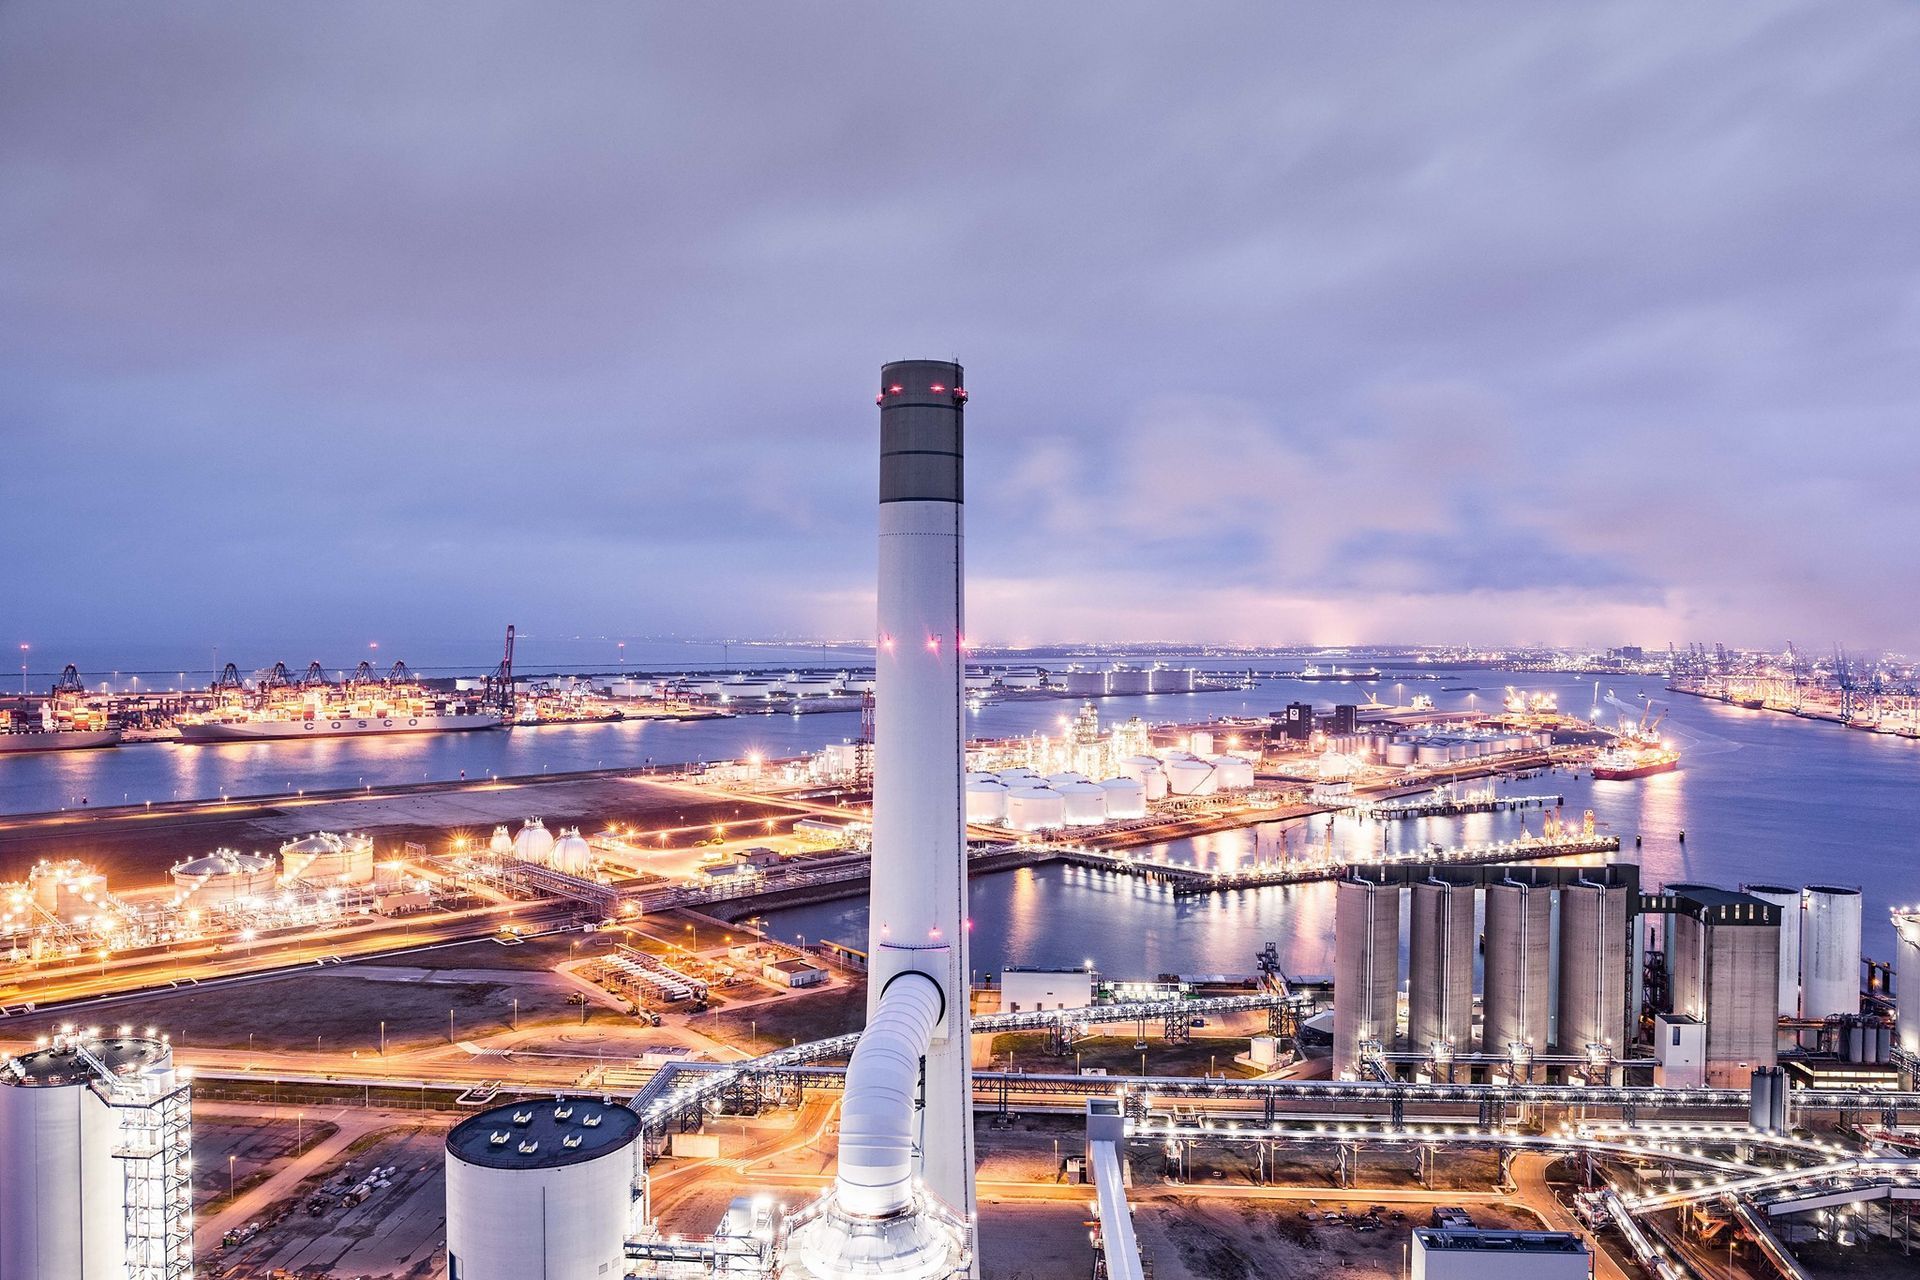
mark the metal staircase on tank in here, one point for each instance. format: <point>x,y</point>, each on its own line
<point>155,1148</point>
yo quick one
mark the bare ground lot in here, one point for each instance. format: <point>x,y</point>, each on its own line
<point>1027,1051</point>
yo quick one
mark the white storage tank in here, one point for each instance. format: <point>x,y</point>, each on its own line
<point>1020,778</point>
<point>571,853</point>
<point>1189,777</point>
<point>1086,803</point>
<point>1399,753</point>
<point>502,843</point>
<point>1430,753</point>
<point>1035,809</point>
<point>1788,900</point>
<point>1830,952</point>
<point>67,889</point>
<point>1201,744</point>
<point>1059,780</point>
<point>326,858</point>
<point>1126,798</point>
<point>534,843</point>
<point>1906,978</point>
<point>987,802</point>
<point>63,1192</point>
<point>1233,773</point>
<point>225,876</point>
<point>542,1189</point>
<point>976,776</point>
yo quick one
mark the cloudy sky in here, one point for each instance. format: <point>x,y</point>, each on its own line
<point>1336,323</point>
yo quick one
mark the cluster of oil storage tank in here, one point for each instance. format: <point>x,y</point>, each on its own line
<point>1558,971</point>
<point>1024,800</point>
<point>571,852</point>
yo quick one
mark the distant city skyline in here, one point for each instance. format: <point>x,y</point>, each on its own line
<point>1488,325</point>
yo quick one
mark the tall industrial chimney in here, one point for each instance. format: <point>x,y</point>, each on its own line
<point>918,920</point>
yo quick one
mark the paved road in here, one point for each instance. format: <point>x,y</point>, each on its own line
<point>1530,1181</point>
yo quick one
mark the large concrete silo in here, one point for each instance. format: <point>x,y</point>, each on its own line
<point>1519,959</point>
<point>1788,900</point>
<point>544,1189</point>
<point>1440,966</point>
<point>1596,973</point>
<point>1830,952</point>
<point>1366,968</point>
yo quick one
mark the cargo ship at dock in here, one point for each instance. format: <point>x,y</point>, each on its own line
<point>56,728</point>
<point>1338,673</point>
<point>1622,764</point>
<point>278,709</point>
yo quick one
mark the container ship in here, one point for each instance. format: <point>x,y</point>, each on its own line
<point>56,728</point>
<point>315,709</point>
<point>1338,673</point>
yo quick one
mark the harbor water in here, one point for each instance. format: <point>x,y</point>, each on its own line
<point>1760,796</point>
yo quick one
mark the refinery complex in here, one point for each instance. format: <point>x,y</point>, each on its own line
<point>494,1028</point>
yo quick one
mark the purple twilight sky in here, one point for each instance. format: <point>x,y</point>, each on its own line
<point>1332,323</point>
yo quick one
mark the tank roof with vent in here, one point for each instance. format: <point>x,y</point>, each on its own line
<point>545,1134</point>
<point>62,1063</point>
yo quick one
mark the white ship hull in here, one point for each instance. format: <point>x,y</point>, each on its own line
<point>57,740</point>
<point>334,727</point>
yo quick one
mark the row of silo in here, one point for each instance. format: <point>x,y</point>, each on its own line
<point>1557,966</point>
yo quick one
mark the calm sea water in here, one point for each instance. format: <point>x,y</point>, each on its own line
<point>1761,797</point>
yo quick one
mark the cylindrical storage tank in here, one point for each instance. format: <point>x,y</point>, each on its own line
<point>1201,743</point>
<point>987,802</point>
<point>1830,952</point>
<point>1430,753</point>
<point>571,853</point>
<point>1595,977</point>
<point>1856,1050</point>
<point>972,778</point>
<point>62,1189</point>
<point>1366,969</point>
<point>1126,798</point>
<point>1518,962</point>
<point>1035,809</point>
<point>1906,979</point>
<point>1019,777</point>
<point>1232,773</point>
<point>1189,777</point>
<point>534,843</point>
<point>1059,780</point>
<point>1440,968</point>
<point>1883,1044</point>
<point>1085,803</point>
<point>225,876</point>
<point>542,1189</point>
<point>1400,753</point>
<point>1788,900</point>
<point>326,858</point>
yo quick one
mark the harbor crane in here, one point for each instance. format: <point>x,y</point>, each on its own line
<point>498,694</point>
<point>315,677</point>
<point>69,682</point>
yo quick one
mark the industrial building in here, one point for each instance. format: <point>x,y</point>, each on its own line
<point>1467,1253</point>
<point>1723,960</point>
<point>551,1188</point>
<point>96,1149</point>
